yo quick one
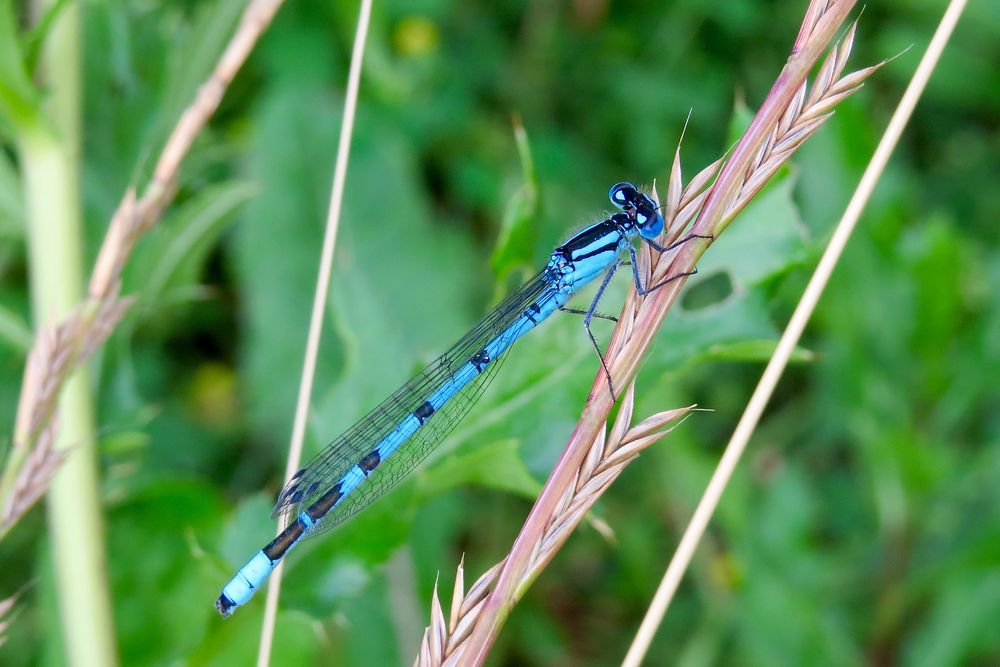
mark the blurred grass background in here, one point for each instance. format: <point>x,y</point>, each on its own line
<point>863,527</point>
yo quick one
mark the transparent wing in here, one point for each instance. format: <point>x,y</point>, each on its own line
<point>329,466</point>
<point>389,473</point>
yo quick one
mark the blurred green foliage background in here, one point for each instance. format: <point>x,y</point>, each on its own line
<point>864,524</point>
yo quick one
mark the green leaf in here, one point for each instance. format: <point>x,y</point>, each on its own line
<point>765,239</point>
<point>14,331</point>
<point>739,121</point>
<point>171,259</point>
<point>740,318</point>
<point>35,38</point>
<point>404,286</point>
<point>247,529</point>
<point>211,29</point>
<point>497,465</point>
<point>276,251</point>
<point>751,350</point>
<point>518,233</point>
<point>19,100</point>
<point>12,220</point>
<point>227,642</point>
<point>162,529</point>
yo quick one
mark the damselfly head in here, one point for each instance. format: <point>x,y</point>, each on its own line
<point>639,206</point>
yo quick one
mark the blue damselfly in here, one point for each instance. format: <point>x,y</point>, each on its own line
<point>373,455</point>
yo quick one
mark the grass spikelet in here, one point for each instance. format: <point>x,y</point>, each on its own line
<point>443,644</point>
<point>792,112</point>
<point>61,348</point>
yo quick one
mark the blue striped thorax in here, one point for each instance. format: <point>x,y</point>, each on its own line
<point>588,254</point>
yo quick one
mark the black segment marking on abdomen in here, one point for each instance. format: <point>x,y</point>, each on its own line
<point>424,412</point>
<point>324,504</point>
<point>370,462</point>
<point>289,536</point>
<point>480,360</point>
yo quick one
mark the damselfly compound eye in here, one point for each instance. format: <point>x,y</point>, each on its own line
<point>622,194</point>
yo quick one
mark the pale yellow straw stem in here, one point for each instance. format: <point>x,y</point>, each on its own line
<point>319,306</point>
<point>789,339</point>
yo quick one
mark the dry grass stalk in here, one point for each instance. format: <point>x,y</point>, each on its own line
<point>60,349</point>
<point>33,480</point>
<point>810,108</point>
<point>320,296</point>
<point>33,459</point>
<point>443,641</point>
<point>791,113</point>
<point>790,337</point>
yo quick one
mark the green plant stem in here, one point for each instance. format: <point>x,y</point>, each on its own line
<point>50,161</point>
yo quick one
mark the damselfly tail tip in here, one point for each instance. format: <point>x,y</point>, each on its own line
<point>225,606</point>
